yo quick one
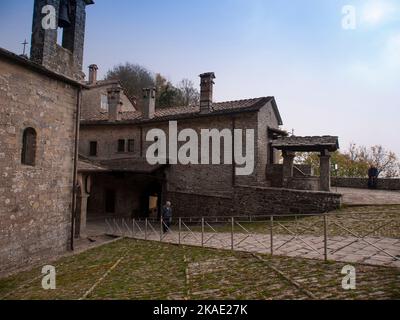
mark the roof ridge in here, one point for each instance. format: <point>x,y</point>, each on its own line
<point>240,100</point>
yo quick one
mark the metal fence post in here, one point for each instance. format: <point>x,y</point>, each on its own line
<point>161,229</point>
<point>145,228</point>
<point>179,232</point>
<point>133,228</point>
<point>272,235</point>
<point>232,234</point>
<point>325,237</point>
<point>202,232</point>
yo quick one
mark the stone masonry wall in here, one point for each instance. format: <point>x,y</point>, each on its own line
<point>254,201</point>
<point>35,202</point>
<point>362,183</point>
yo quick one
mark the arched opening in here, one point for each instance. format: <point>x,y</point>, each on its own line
<point>28,156</point>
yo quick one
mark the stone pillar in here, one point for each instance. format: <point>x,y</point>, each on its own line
<point>81,206</point>
<point>83,200</point>
<point>288,161</point>
<point>325,171</point>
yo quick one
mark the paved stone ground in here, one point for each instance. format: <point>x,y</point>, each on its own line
<point>368,197</point>
<point>344,249</point>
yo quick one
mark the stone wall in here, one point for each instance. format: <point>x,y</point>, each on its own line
<point>196,205</point>
<point>362,183</point>
<point>35,202</point>
<point>202,179</point>
<point>264,201</point>
<point>254,201</point>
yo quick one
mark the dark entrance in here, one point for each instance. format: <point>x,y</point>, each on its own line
<point>110,201</point>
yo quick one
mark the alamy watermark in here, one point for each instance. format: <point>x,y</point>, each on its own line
<point>349,281</point>
<point>49,279</point>
<point>238,147</point>
<point>349,20</point>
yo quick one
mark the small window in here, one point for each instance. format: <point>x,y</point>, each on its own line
<point>121,145</point>
<point>131,145</point>
<point>104,103</point>
<point>93,149</point>
<point>28,156</point>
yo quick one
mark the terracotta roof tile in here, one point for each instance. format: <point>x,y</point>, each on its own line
<point>219,108</point>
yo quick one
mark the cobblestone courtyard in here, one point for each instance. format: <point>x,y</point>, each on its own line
<point>132,269</point>
<point>369,235</point>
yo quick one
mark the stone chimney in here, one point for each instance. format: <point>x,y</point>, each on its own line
<point>114,103</point>
<point>93,73</point>
<point>206,91</point>
<point>149,103</point>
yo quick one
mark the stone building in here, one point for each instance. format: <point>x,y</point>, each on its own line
<point>72,151</point>
<point>39,107</point>
<point>122,184</point>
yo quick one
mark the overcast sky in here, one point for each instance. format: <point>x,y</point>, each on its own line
<point>326,79</point>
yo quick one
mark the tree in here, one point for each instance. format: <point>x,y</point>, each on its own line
<point>384,160</point>
<point>188,94</point>
<point>133,78</point>
<point>356,161</point>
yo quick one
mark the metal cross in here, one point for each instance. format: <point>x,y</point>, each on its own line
<point>25,43</point>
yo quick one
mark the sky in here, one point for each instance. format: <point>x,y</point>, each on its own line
<point>333,70</point>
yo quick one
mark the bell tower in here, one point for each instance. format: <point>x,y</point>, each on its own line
<point>49,16</point>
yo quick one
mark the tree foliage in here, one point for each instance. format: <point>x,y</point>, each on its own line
<point>356,161</point>
<point>134,78</point>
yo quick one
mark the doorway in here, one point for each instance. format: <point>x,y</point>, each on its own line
<point>110,201</point>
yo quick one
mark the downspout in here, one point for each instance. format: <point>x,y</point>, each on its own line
<point>76,155</point>
<point>233,152</point>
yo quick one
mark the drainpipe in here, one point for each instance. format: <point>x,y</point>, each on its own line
<point>76,155</point>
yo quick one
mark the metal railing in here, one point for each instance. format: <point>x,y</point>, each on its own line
<point>318,236</point>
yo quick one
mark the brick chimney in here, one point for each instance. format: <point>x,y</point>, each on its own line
<point>206,91</point>
<point>149,103</point>
<point>114,104</point>
<point>93,73</point>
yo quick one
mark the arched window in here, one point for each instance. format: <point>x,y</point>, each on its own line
<point>28,155</point>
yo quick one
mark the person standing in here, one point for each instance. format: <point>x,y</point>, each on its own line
<point>373,177</point>
<point>167,216</point>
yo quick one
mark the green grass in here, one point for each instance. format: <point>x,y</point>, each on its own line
<point>153,270</point>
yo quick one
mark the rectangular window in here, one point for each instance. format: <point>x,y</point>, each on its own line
<point>121,145</point>
<point>104,103</point>
<point>131,145</point>
<point>93,149</point>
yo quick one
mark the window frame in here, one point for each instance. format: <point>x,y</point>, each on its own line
<point>29,151</point>
<point>121,146</point>
<point>131,145</point>
<point>93,154</point>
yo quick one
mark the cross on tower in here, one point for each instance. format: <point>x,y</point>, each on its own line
<point>25,43</point>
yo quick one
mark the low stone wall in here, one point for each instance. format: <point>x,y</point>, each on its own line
<point>362,183</point>
<point>264,201</point>
<point>255,201</point>
<point>195,205</point>
<point>305,183</point>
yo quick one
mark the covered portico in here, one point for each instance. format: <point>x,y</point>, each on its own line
<point>120,188</point>
<point>325,145</point>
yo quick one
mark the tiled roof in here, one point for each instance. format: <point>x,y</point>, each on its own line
<point>133,165</point>
<point>85,165</point>
<point>316,143</point>
<point>219,108</point>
